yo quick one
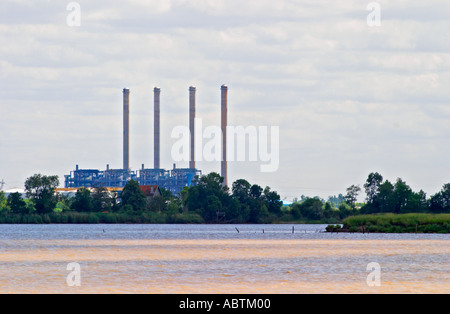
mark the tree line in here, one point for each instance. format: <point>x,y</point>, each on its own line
<point>382,196</point>
<point>209,201</point>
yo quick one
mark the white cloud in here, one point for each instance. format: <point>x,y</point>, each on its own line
<point>349,99</point>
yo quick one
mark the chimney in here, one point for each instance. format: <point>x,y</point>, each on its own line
<point>157,138</point>
<point>126,129</point>
<point>192,91</point>
<point>224,166</point>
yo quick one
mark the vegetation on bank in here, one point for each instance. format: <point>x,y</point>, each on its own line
<point>210,202</point>
<point>395,223</point>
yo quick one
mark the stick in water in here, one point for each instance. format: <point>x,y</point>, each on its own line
<point>236,229</point>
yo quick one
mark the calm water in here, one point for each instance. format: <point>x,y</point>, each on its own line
<point>218,259</point>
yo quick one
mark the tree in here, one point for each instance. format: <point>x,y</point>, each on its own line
<point>61,207</point>
<point>208,197</point>
<point>311,208</point>
<point>273,201</point>
<point>417,202</point>
<point>256,191</point>
<point>3,202</point>
<point>41,189</point>
<point>83,201</point>
<point>133,197</point>
<point>373,181</point>
<point>157,204</point>
<point>440,202</point>
<point>241,190</point>
<point>385,200</point>
<point>403,194</point>
<point>101,199</point>
<point>336,200</point>
<point>352,195</point>
<point>17,204</point>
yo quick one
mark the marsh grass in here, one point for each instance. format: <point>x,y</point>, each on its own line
<point>398,223</point>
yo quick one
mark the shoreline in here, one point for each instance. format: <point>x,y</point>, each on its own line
<point>394,223</point>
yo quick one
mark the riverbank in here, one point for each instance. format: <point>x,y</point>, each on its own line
<point>395,223</point>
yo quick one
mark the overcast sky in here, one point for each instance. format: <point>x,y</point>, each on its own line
<point>349,98</point>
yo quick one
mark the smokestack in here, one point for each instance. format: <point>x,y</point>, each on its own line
<point>126,129</point>
<point>224,166</point>
<point>157,138</point>
<point>192,91</point>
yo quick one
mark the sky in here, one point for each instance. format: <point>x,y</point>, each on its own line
<point>349,97</point>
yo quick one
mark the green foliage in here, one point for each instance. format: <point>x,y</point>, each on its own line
<point>157,204</point>
<point>41,189</point>
<point>61,207</point>
<point>352,195</point>
<point>17,204</point>
<point>399,223</point>
<point>385,197</point>
<point>3,202</point>
<point>83,201</point>
<point>210,202</point>
<point>102,200</point>
<point>132,197</point>
<point>440,202</point>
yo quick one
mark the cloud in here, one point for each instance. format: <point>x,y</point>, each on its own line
<point>348,98</point>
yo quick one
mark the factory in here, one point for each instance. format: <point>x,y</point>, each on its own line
<point>173,180</point>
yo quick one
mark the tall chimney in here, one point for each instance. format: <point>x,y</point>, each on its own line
<point>157,138</point>
<point>126,129</point>
<point>192,91</point>
<point>224,166</point>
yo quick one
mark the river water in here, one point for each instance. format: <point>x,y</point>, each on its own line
<point>218,259</point>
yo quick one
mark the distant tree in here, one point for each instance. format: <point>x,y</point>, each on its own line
<point>241,190</point>
<point>83,201</point>
<point>166,194</point>
<point>311,208</point>
<point>17,204</point>
<point>373,181</point>
<point>344,210</point>
<point>101,199</point>
<point>133,196</point>
<point>335,201</point>
<point>273,201</point>
<point>352,195</point>
<point>328,211</point>
<point>440,202</point>
<point>209,198</point>
<point>3,202</point>
<point>256,191</point>
<point>417,202</point>
<point>41,189</point>
<point>61,207</point>
<point>157,204</point>
<point>295,211</point>
<point>385,200</point>
<point>403,194</point>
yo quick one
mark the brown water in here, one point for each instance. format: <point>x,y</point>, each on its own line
<point>218,259</point>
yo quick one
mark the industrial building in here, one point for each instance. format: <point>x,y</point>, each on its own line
<point>173,180</point>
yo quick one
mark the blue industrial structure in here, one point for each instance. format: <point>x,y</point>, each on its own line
<point>173,180</point>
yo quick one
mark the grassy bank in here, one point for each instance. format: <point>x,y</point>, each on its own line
<point>100,218</point>
<point>393,223</point>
